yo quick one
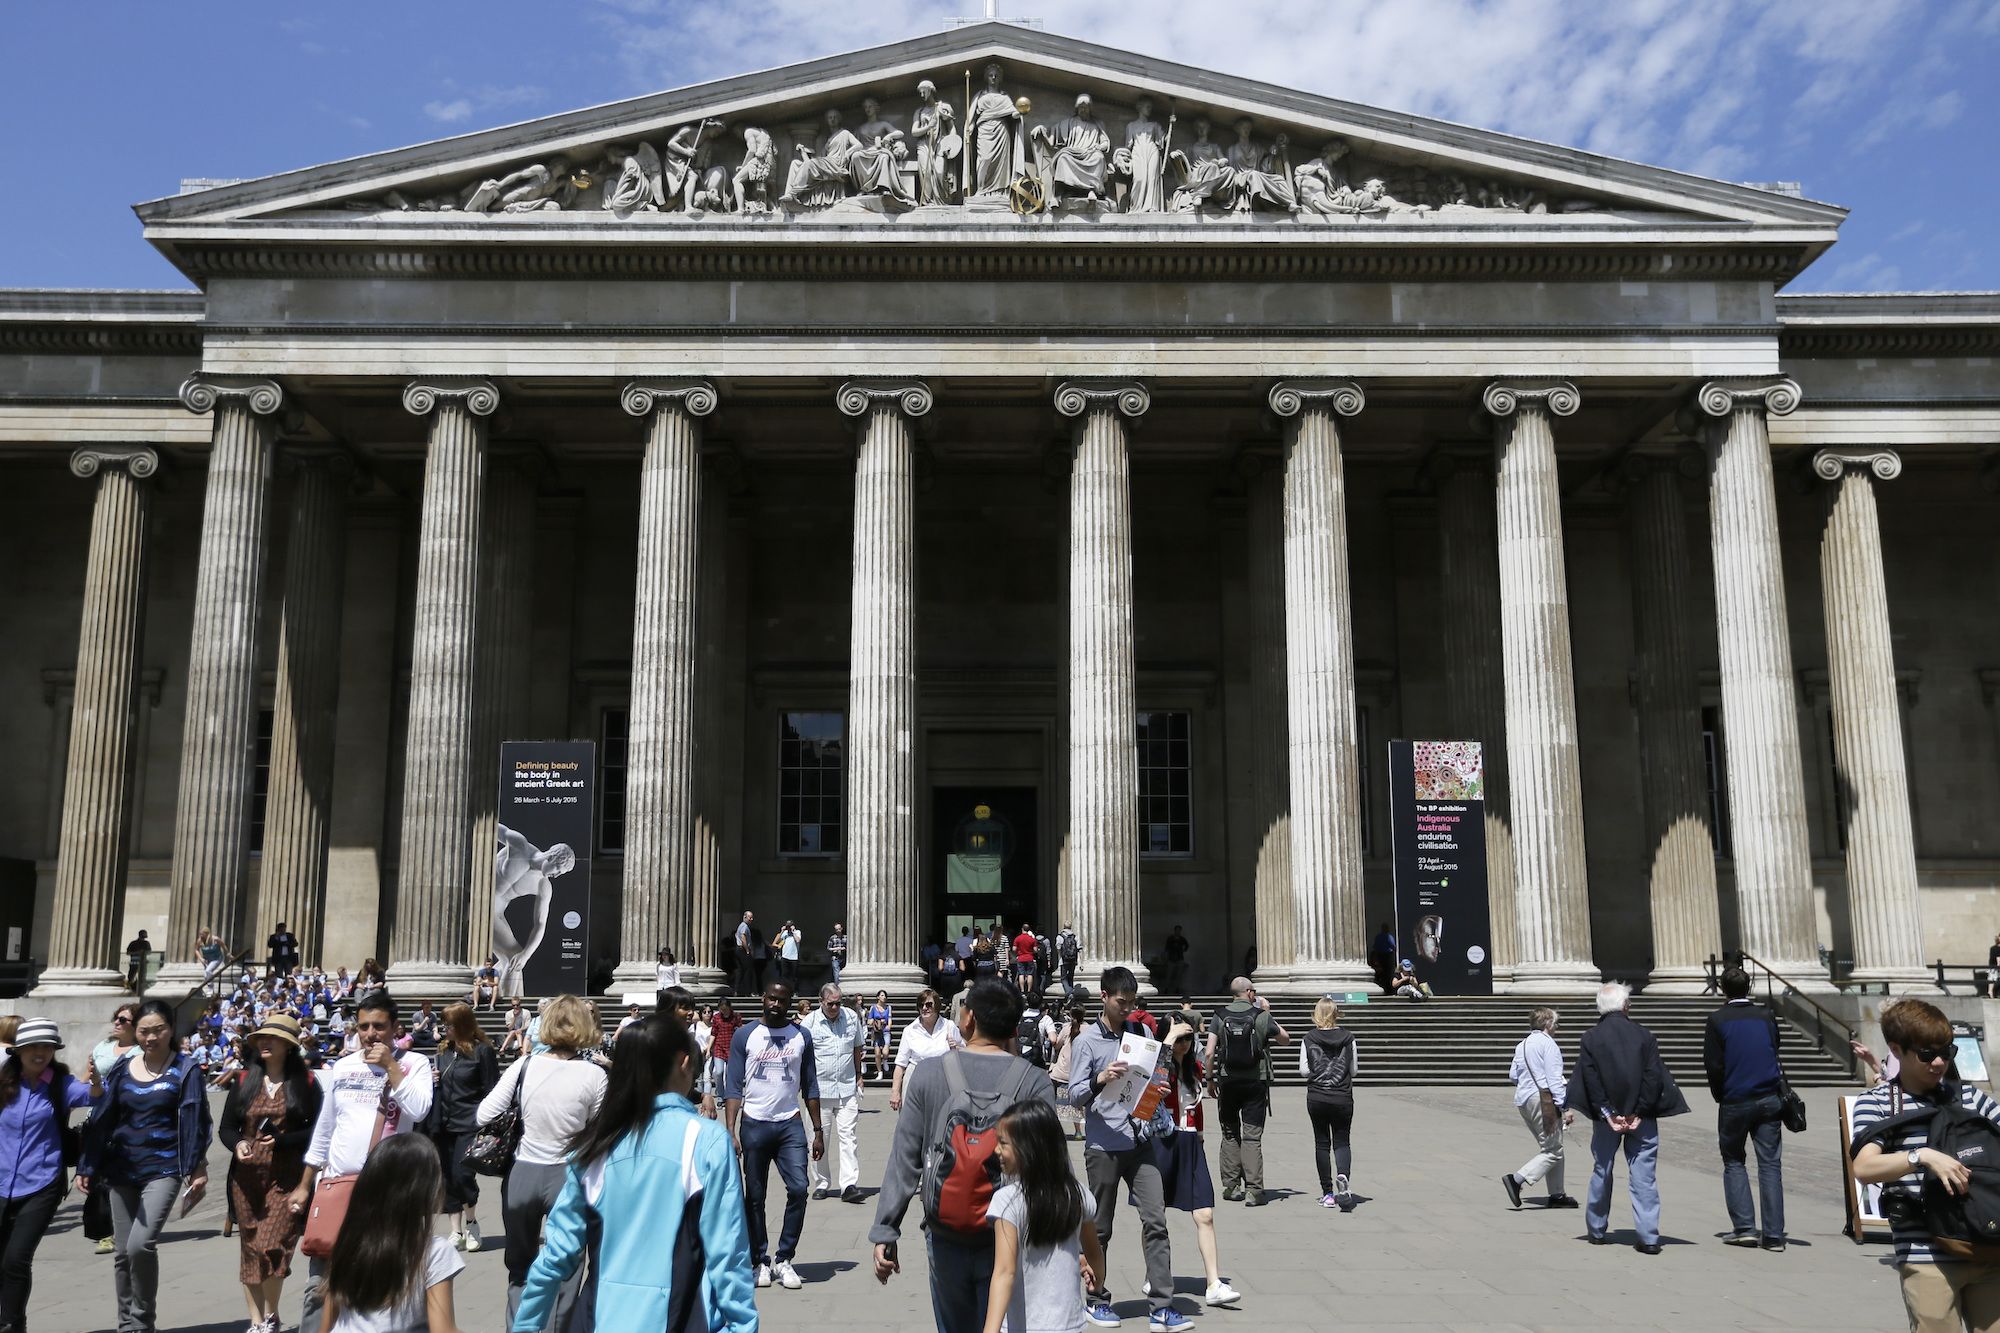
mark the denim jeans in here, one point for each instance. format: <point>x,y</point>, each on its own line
<point>1642,1152</point>
<point>763,1142</point>
<point>1760,1120</point>
<point>961,1279</point>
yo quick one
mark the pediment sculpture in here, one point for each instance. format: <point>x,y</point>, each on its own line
<point>991,160</point>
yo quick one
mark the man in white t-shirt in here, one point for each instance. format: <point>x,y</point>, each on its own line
<point>772,1073</point>
<point>836,1034</point>
<point>372,1081</point>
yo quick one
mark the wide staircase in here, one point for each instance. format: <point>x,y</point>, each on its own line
<point>1451,1041</point>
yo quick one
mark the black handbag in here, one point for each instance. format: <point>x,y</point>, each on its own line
<point>490,1151</point>
<point>1794,1107</point>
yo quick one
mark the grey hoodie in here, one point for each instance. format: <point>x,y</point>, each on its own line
<point>1328,1057</point>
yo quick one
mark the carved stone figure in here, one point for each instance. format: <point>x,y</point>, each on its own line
<point>686,166</point>
<point>1262,175</point>
<point>638,186</point>
<point>876,167</point>
<point>535,187</point>
<point>1078,150</point>
<point>1317,181</point>
<point>751,185</point>
<point>819,174</point>
<point>989,123</point>
<point>1143,160</point>
<point>932,130</point>
<point>1205,171</point>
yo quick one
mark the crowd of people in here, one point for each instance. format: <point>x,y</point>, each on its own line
<point>635,1176</point>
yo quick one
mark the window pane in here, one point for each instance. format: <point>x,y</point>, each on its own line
<point>1165,783</point>
<point>809,782</point>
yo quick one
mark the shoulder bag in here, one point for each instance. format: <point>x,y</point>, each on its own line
<point>331,1195</point>
<point>491,1151</point>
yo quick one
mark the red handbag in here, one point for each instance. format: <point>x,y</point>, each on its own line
<point>331,1194</point>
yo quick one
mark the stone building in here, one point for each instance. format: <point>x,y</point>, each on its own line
<point>1112,479</point>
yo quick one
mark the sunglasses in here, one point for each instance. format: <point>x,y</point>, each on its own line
<point>928,1005</point>
<point>116,1019</point>
<point>1926,1054</point>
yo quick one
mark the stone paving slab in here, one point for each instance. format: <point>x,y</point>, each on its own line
<point>1432,1246</point>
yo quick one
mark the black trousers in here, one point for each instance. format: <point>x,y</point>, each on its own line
<point>1332,1123</point>
<point>22,1222</point>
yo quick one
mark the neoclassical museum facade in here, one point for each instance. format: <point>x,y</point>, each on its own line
<point>857,462</point>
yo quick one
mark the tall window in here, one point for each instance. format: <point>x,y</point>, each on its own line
<point>613,733</point>
<point>1166,801</point>
<point>1364,781</point>
<point>810,764</point>
<point>1718,800</point>
<point>260,781</point>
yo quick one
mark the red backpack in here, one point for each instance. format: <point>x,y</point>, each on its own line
<point>960,1171</point>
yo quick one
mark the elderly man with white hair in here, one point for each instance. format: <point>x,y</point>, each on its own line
<point>1623,1085</point>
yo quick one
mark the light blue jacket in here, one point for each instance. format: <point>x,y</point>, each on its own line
<point>636,1199</point>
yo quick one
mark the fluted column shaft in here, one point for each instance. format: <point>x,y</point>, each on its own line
<point>1551,893</point>
<point>1329,910</point>
<point>428,947</point>
<point>219,740</point>
<point>1767,806</point>
<point>1882,900</point>
<point>1686,915</point>
<point>291,885</point>
<point>883,912</point>
<point>1103,714</point>
<point>97,786</point>
<point>1474,686</point>
<point>701,961</point>
<point>1270,761</point>
<point>506,597</point>
<point>659,817</point>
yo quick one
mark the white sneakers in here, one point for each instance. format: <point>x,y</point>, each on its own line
<point>788,1277</point>
<point>472,1240</point>
<point>1223,1294</point>
<point>763,1275</point>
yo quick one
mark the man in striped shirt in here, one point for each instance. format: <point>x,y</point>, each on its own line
<point>1940,1294</point>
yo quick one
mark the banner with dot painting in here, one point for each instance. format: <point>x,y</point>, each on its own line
<point>1437,824</point>
<point>541,867</point>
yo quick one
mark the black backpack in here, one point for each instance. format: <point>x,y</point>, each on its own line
<point>1028,1037</point>
<point>1239,1047</point>
<point>1961,1226</point>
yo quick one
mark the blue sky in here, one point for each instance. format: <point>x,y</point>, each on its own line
<point>1887,107</point>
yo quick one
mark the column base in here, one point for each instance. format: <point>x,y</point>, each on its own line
<point>636,975</point>
<point>1273,980</point>
<point>174,981</point>
<point>867,978</point>
<point>1555,979</point>
<point>1689,980</point>
<point>1502,976</point>
<point>1317,978</point>
<point>1808,974</point>
<point>431,979</point>
<point>1900,980</point>
<point>78,981</point>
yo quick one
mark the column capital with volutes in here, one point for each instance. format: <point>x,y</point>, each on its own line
<point>1881,464</point>
<point>697,397</point>
<point>1778,395</point>
<point>201,391</point>
<point>1503,398</point>
<point>1288,398</point>
<point>138,461</point>
<point>855,397</point>
<point>1075,397</point>
<point>479,397</point>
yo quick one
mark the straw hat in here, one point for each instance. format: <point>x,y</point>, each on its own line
<point>282,1026</point>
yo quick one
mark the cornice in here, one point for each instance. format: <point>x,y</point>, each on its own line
<point>1169,332</point>
<point>1913,339</point>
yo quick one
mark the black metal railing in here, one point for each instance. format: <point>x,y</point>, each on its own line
<point>1980,978</point>
<point>1830,1034</point>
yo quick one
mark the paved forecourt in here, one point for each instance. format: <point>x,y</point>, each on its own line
<point>1432,1244</point>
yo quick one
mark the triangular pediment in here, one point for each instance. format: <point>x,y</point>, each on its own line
<point>730,152</point>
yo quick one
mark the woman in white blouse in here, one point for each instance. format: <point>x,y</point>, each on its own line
<point>927,1036</point>
<point>559,1093</point>
<point>666,971</point>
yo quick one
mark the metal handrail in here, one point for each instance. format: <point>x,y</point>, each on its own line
<point>1976,975</point>
<point>1822,1017</point>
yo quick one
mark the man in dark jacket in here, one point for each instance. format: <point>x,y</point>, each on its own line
<point>1739,1051</point>
<point>1621,1083</point>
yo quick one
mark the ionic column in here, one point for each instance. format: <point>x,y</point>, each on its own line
<point>1551,892</point>
<point>291,885</point>
<point>713,739</point>
<point>428,943</point>
<point>1270,762</point>
<point>1687,917</point>
<point>1767,804</point>
<point>1103,712</point>
<point>1882,900</point>
<point>1329,910</point>
<point>883,912</point>
<point>659,846</point>
<point>506,597</point>
<point>219,739</point>
<point>91,855</point>
<point>1475,690</point>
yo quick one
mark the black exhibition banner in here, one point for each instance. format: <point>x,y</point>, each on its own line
<point>541,867</point>
<point>1437,821</point>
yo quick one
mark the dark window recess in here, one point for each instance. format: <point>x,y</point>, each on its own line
<point>1718,796</point>
<point>811,764</point>
<point>1364,778</point>
<point>613,738</point>
<point>260,790</point>
<point>1166,796</point>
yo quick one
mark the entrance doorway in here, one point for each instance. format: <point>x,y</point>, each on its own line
<point>983,858</point>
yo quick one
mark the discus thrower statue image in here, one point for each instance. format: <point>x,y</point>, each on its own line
<point>522,873</point>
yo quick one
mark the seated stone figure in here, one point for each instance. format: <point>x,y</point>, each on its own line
<point>1262,176</point>
<point>1077,151</point>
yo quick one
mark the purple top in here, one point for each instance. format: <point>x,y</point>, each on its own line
<point>30,1137</point>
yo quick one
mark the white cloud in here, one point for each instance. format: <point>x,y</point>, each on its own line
<point>485,100</point>
<point>449,113</point>
<point>1866,273</point>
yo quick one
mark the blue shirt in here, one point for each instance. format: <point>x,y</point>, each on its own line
<point>771,1070</point>
<point>145,1142</point>
<point>1109,1126</point>
<point>30,1137</point>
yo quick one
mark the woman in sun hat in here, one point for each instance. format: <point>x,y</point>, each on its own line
<point>266,1125</point>
<point>37,1096</point>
